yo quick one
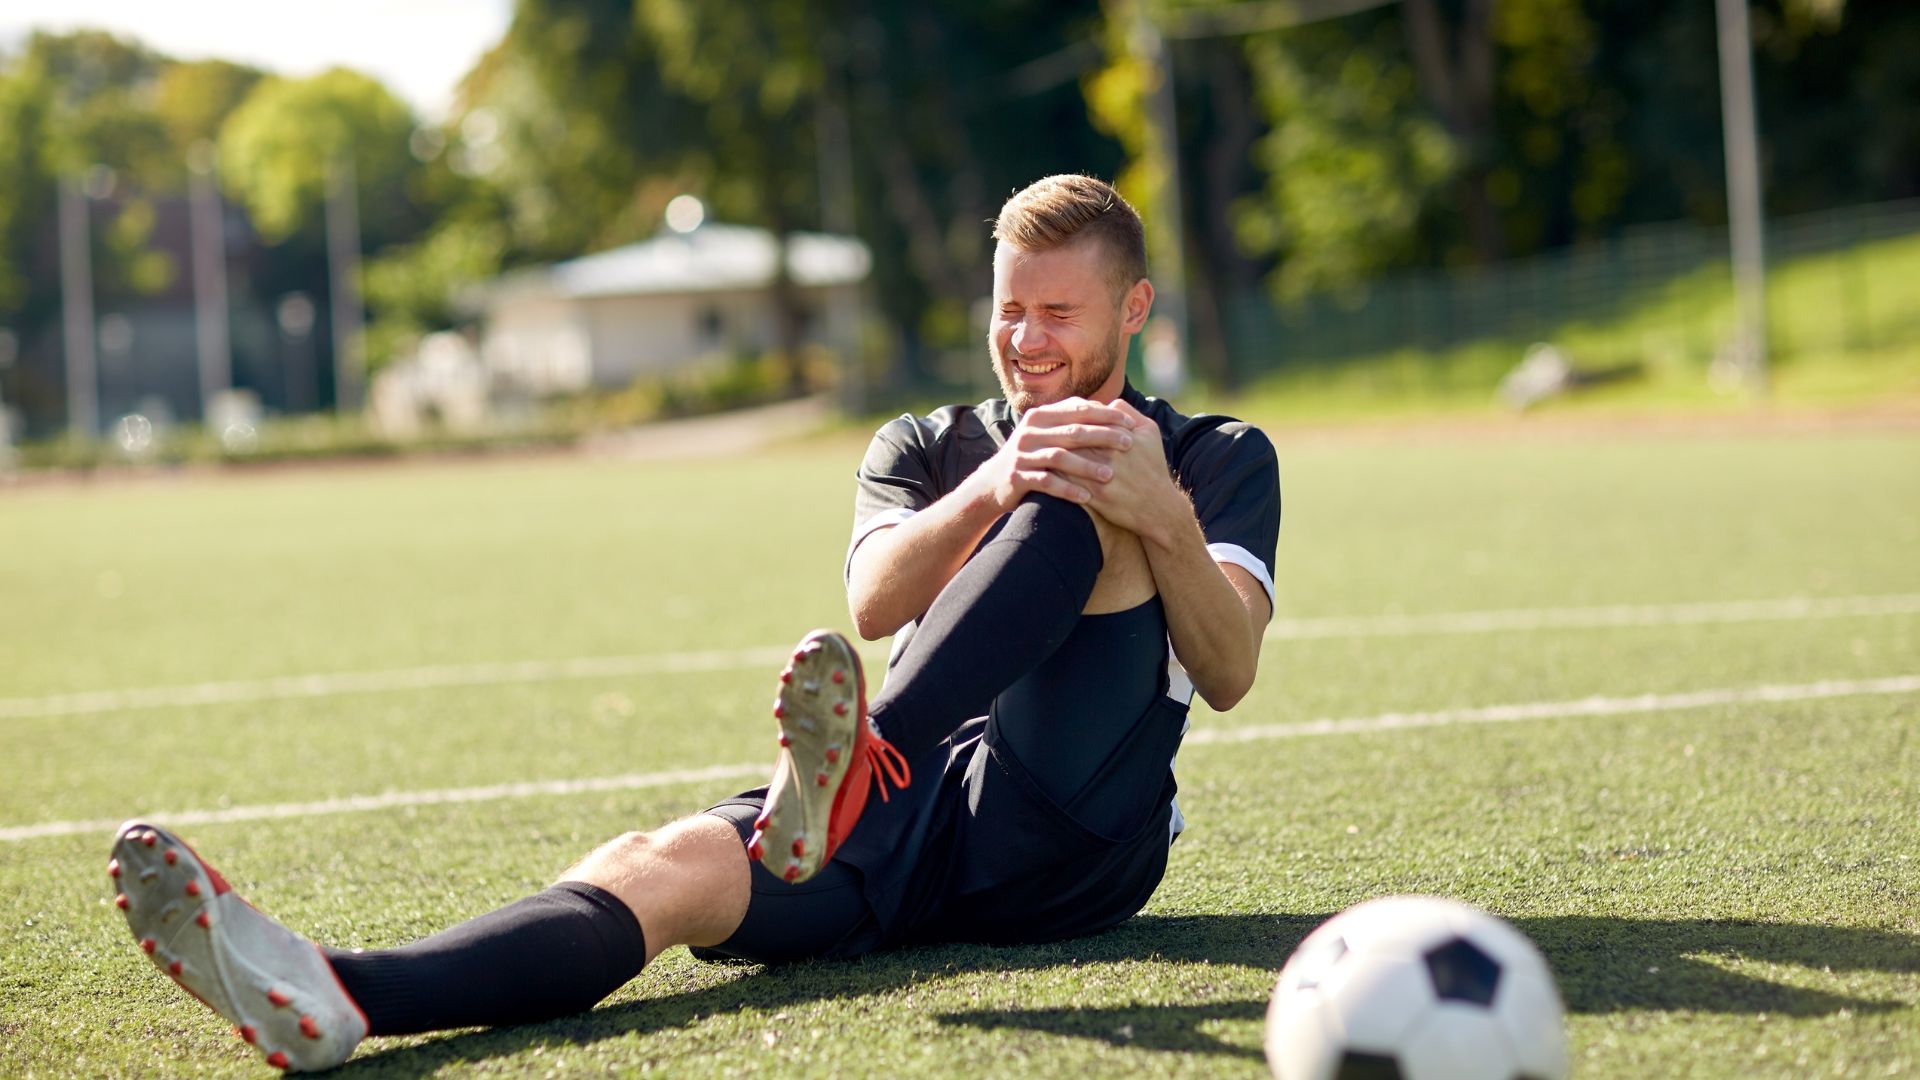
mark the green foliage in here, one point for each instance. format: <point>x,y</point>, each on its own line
<point>26,182</point>
<point>193,98</point>
<point>1353,165</point>
<point>281,145</point>
<point>413,288</point>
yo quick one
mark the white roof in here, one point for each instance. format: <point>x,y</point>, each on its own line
<point>711,258</point>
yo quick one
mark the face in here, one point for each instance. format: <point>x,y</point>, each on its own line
<point>1058,332</point>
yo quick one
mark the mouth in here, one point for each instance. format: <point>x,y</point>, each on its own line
<point>1036,368</point>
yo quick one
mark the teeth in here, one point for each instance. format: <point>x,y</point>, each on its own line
<point>1036,369</point>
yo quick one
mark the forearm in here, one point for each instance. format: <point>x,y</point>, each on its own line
<point>896,572</point>
<point>1211,622</point>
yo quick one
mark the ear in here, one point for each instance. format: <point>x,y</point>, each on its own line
<point>1136,306</point>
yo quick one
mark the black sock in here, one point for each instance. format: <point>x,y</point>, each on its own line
<point>552,954</point>
<point>1004,613</point>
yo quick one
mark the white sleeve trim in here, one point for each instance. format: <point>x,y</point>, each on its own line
<point>1235,555</point>
<point>885,519</point>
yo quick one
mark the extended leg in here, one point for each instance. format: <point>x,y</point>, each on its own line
<point>551,954</point>
<point>560,951</point>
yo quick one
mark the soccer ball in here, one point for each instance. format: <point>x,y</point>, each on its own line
<point>1416,988</point>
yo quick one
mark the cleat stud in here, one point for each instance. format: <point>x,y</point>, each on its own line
<point>821,779</point>
<point>799,846</point>
<point>277,1059</point>
<point>786,676</point>
<point>786,739</point>
<point>203,920</point>
<point>779,711</point>
<point>277,999</point>
<point>172,856</point>
<point>247,1033</point>
<point>176,968</point>
<point>147,945</point>
<point>793,872</point>
<point>113,868</point>
<point>833,754</point>
<point>308,1028</point>
<point>193,888</point>
<point>120,901</point>
<point>755,849</point>
<point>839,675</point>
<point>839,708</point>
<point>149,838</point>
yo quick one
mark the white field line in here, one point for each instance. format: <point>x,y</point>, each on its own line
<point>1487,714</point>
<point>603,667</point>
<point>1556,710</point>
<point>1616,615</point>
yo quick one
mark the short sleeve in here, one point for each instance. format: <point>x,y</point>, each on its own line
<point>1233,476</point>
<point>895,480</point>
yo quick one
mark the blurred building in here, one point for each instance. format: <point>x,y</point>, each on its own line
<point>679,299</point>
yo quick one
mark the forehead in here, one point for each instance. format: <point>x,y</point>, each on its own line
<point>1068,271</point>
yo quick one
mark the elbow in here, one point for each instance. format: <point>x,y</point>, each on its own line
<point>868,621</point>
<point>1223,699</point>
<point>1228,689</point>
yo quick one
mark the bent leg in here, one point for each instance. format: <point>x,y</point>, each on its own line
<point>1008,609</point>
<point>1083,723</point>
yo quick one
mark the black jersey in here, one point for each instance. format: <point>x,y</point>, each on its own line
<point>1227,466</point>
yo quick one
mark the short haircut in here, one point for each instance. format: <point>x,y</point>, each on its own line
<point>1060,210</point>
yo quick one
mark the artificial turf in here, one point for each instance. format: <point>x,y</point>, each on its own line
<point>1724,890</point>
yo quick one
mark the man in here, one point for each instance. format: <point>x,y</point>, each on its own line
<point>1063,567</point>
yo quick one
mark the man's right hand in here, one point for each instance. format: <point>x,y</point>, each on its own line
<point>1060,449</point>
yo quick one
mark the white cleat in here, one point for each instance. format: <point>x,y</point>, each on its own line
<point>274,985</point>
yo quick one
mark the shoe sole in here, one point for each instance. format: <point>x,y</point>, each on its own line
<point>820,713</point>
<point>276,987</point>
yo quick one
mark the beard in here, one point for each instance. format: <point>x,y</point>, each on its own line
<point>1085,375</point>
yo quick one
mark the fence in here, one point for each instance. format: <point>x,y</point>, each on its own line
<point>1542,296</point>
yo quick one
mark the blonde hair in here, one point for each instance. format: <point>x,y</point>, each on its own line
<point>1060,210</point>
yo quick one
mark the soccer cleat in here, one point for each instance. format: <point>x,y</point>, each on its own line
<point>275,986</point>
<point>831,759</point>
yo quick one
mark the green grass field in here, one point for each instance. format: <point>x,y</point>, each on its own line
<point>1724,886</point>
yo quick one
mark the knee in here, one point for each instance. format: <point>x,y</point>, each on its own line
<point>1064,523</point>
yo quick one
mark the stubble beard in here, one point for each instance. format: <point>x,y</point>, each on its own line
<point>1085,375</point>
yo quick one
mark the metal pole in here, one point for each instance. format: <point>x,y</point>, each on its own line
<point>209,279</point>
<point>76,303</point>
<point>1168,257</point>
<point>1743,192</point>
<point>834,148</point>
<point>343,260</point>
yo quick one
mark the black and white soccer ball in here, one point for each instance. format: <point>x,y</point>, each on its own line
<point>1416,988</point>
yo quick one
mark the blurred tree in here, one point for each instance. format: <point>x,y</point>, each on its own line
<point>279,147</point>
<point>194,98</point>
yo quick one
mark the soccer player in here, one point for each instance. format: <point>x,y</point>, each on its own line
<point>1062,568</point>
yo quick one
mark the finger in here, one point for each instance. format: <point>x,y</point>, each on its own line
<point>1097,436</point>
<point>1068,463</point>
<point>1052,483</point>
<point>1079,411</point>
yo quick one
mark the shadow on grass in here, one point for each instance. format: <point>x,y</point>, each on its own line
<point>1603,965</point>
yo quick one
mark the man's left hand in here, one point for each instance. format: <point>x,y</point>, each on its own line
<point>1141,497</point>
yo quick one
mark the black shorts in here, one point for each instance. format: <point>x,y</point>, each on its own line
<point>975,850</point>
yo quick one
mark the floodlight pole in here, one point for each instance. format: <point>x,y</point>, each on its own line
<point>76,304</point>
<point>1168,257</point>
<point>343,262</point>
<point>1743,193</point>
<point>209,279</point>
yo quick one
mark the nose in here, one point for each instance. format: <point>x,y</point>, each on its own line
<point>1028,338</point>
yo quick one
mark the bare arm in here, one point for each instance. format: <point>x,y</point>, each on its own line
<point>895,573</point>
<point>1216,615</point>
